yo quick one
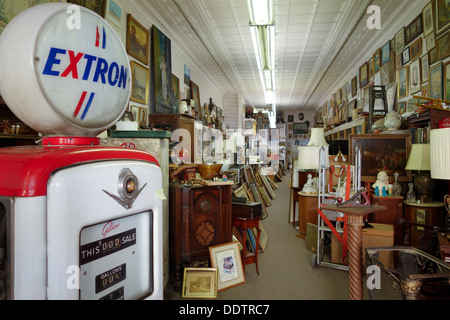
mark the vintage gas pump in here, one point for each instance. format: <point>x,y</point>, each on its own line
<point>77,220</point>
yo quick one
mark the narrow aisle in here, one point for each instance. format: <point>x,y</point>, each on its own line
<point>285,272</point>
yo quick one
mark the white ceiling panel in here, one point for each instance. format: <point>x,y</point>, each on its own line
<point>317,42</point>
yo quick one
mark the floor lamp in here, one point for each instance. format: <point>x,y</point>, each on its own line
<point>440,160</point>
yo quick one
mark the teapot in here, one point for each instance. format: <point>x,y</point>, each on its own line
<point>393,120</point>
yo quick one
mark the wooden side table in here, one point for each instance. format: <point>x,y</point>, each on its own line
<point>248,224</point>
<point>307,212</point>
<point>428,214</point>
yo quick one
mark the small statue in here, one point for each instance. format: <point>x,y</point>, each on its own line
<point>382,181</point>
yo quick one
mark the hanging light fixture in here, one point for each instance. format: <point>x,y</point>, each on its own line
<point>262,27</point>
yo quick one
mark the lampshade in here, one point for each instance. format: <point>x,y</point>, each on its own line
<point>309,158</point>
<point>317,138</point>
<point>419,158</point>
<point>440,153</point>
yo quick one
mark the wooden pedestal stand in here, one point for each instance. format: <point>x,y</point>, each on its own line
<point>355,224</point>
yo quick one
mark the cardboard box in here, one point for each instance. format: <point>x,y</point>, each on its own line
<point>311,237</point>
<point>381,235</point>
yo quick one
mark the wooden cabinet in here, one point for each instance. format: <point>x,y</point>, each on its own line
<point>171,122</point>
<point>200,217</point>
<point>428,214</point>
<point>307,212</point>
<point>391,215</point>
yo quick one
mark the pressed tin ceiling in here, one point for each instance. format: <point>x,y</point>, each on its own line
<point>320,44</point>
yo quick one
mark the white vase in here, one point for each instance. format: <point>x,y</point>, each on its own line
<point>392,121</point>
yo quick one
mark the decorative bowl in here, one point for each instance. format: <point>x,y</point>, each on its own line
<point>208,171</point>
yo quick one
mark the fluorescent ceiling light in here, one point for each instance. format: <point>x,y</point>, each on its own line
<point>261,12</point>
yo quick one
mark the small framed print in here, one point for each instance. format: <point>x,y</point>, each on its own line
<point>200,283</point>
<point>227,259</point>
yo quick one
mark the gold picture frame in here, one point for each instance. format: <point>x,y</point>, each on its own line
<point>227,259</point>
<point>138,40</point>
<point>140,83</point>
<point>200,283</point>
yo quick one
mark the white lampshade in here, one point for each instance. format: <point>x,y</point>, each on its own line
<point>309,158</point>
<point>440,153</point>
<point>317,138</point>
<point>419,158</point>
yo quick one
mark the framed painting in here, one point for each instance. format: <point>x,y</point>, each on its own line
<point>195,94</point>
<point>143,118</point>
<point>138,39</point>
<point>428,19</point>
<point>430,42</point>
<point>354,86</point>
<point>363,75</point>
<point>435,82</point>
<point>405,56</point>
<point>176,88</point>
<point>400,40</point>
<point>199,283</point>
<point>414,29</point>
<point>227,259</point>
<point>114,12</point>
<point>443,46</point>
<point>385,53</point>
<point>403,80</point>
<point>163,93</point>
<point>425,65</point>
<point>98,6</point>
<point>377,61</point>
<point>441,15</point>
<point>447,81</point>
<point>415,83</point>
<point>301,128</point>
<point>385,152</point>
<point>140,86</point>
<point>415,50</point>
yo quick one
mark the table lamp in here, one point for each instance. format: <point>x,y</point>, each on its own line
<point>309,156</point>
<point>419,160</point>
<point>440,159</point>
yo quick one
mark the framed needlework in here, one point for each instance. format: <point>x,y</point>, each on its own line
<point>227,259</point>
<point>200,283</point>
<point>385,152</point>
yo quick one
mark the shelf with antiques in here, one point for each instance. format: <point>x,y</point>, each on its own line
<point>14,132</point>
<point>357,126</point>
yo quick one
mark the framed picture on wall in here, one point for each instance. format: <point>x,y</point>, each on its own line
<point>138,40</point>
<point>400,40</point>
<point>414,29</point>
<point>415,50</point>
<point>447,81</point>
<point>301,128</point>
<point>164,98</point>
<point>435,78</point>
<point>139,83</point>
<point>428,19</point>
<point>385,152</point>
<point>403,80</point>
<point>377,61</point>
<point>363,75</point>
<point>443,46</point>
<point>415,76</point>
<point>425,66</point>
<point>442,15</point>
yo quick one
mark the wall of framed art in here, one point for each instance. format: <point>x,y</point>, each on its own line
<point>410,60</point>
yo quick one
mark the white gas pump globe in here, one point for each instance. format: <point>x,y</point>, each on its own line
<point>72,68</point>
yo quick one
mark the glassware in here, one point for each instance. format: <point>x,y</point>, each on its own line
<point>410,195</point>
<point>396,187</point>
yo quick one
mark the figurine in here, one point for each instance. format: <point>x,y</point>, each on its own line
<point>382,181</point>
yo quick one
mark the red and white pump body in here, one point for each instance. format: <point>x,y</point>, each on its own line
<point>77,221</point>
